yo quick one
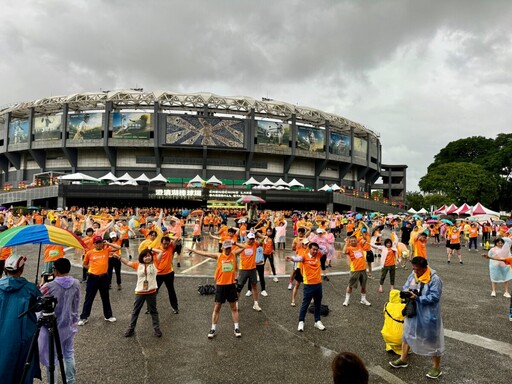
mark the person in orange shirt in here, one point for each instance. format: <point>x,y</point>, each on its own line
<point>5,252</point>
<point>357,260</point>
<point>454,234</point>
<point>312,278</point>
<point>473,236</point>
<point>88,241</point>
<point>113,262</point>
<point>165,271</point>
<point>226,289</point>
<point>268,250</point>
<point>350,228</point>
<point>96,260</point>
<point>389,254</point>
<point>51,253</point>
<point>419,244</point>
<point>125,231</point>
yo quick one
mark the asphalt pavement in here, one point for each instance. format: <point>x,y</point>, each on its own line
<point>478,334</point>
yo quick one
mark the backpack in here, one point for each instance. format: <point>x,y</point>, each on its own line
<point>324,309</point>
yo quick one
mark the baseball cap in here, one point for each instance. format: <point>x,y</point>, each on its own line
<point>305,241</point>
<point>113,234</point>
<point>15,262</point>
<point>97,239</point>
<point>227,244</point>
<point>251,235</point>
<point>320,230</point>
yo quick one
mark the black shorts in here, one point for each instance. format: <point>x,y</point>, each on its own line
<point>196,239</point>
<point>125,243</point>
<point>178,247</point>
<point>226,292</point>
<point>298,276</point>
<point>455,247</point>
<point>370,258</point>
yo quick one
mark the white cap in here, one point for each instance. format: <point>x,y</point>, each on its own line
<point>15,262</point>
<point>251,235</point>
<point>305,241</point>
<point>320,230</point>
<point>113,234</point>
<point>227,244</point>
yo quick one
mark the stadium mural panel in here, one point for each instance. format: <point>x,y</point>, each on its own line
<point>18,131</point>
<point>310,139</point>
<point>360,147</point>
<point>339,144</point>
<point>210,131</point>
<point>273,133</point>
<point>131,125</point>
<point>47,127</point>
<point>85,126</point>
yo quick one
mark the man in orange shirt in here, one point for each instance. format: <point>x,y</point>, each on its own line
<point>96,260</point>
<point>165,271</point>
<point>454,234</point>
<point>225,278</point>
<point>419,244</point>
<point>5,252</point>
<point>125,231</point>
<point>473,236</point>
<point>312,278</point>
<point>356,257</point>
<point>88,241</point>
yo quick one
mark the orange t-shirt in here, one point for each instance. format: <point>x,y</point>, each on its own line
<point>97,260</point>
<point>357,257</point>
<point>53,252</point>
<point>390,258</point>
<point>473,232</point>
<point>164,266</point>
<point>248,257</point>
<point>420,248</point>
<point>225,273</point>
<point>454,237</point>
<point>268,246</point>
<point>88,243</point>
<point>310,268</point>
<point>5,253</point>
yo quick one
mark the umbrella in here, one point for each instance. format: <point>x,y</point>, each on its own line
<point>33,208</point>
<point>431,221</point>
<point>40,234</point>
<point>417,216</point>
<point>446,221</point>
<point>250,199</point>
<point>197,212</point>
<point>2,208</point>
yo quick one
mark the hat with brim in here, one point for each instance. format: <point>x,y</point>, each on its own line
<point>227,244</point>
<point>15,262</point>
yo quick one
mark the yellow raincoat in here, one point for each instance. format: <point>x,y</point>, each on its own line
<point>393,322</point>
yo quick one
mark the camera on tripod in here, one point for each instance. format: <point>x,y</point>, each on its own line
<point>45,304</point>
<point>406,295</point>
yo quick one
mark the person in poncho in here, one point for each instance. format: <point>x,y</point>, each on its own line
<point>393,327</point>
<point>423,333</point>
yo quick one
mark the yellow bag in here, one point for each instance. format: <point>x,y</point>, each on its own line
<point>393,322</point>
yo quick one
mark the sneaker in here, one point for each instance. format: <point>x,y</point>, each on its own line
<point>175,311</point>
<point>237,332</point>
<point>319,325</point>
<point>129,332</point>
<point>345,303</point>
<point>460,262</point>
<point>264,293</point>
<point>119,287</point>
<point>365,302</point>
<point>510,317</point>
<point>82,321</point>
<point>507,295</point>
<point>434,373</point>
<point>248,294</point>
<point>178,265</point>
<point>300,328</point>
<point>211,334</point>
<point>448,261</point>
<point>290,286</point>
<point>256,307</point>
<point>293,304</point>
<point>326,278</point>
<point>493,294</point>
<point>157,332</point>
<point>276,280</point>
<point>111,319</point>
<point>399,363</point>
<point>129,257</point>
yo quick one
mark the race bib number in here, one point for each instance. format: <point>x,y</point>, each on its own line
<point>248,252</point>
<point>54,253</point>
<point>227,266</point>
<point>358,254</point>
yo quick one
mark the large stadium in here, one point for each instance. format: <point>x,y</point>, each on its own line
<point>180,136</point>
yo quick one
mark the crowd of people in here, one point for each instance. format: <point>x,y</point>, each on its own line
<point>241,258</point>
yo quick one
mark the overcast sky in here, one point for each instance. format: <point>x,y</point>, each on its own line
<point>419,73</point>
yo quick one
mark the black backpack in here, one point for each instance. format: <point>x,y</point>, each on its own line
<point>324,309</point>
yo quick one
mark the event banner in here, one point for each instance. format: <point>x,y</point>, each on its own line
<point>85,126</point>
<point>360,147</point>
<point>131,125</point>
<point>339,144</point>
<point>18,131</point>
<point>47,127</point>
<point>273,133</point>
<point>310,139</point>
<point>210,131</point>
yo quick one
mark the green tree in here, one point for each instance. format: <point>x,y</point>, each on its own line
<point>415,200</point>
<point>462,183</point>
<point>437,200</point>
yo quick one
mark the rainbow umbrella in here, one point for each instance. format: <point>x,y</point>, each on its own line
<point>40,234</point>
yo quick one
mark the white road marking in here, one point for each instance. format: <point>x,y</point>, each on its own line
<point>386,375</point>
<point>480,341</point>
<point>194,266</point>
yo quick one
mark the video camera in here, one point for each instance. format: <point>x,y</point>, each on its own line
<point>45,304</point>
<point>406,295</point>
<point>46,276</point>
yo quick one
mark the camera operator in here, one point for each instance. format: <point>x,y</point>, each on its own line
<point>423,333</point>
<point>17,295</point>
<point>66,290</point>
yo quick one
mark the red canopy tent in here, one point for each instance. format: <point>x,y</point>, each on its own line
<point>479,209</point>
<point>441,210</point>
<point>451,209</point>
<point>464,209</point>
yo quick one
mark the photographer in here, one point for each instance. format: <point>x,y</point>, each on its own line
<point>423,333</point>
<point>66,290</point>
<point>17,295</point>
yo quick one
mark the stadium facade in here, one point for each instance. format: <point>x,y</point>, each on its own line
<point>183,135</point>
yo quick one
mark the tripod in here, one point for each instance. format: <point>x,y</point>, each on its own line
<point>47,305</point>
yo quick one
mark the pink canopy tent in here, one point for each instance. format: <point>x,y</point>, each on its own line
<point>441,210</point>
<point>464,209</point>
<point>451,209</point>
<point>479,209</point>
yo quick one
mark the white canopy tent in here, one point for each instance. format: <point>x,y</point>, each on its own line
<point>335,187</point>
<point>422,211</point>
<point>159,179</point>
<point>213,181</point>
<point>325,188</point>
<point>108,177</point>
<point>142,179</point>
<point>295,183</point>
<point>77,177</point>
<point>125,177</point>
<point>251,181</point>
<point>412,210</point>
<point>281,183</point>
<point>267,182</point>
<point>196,182</point>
